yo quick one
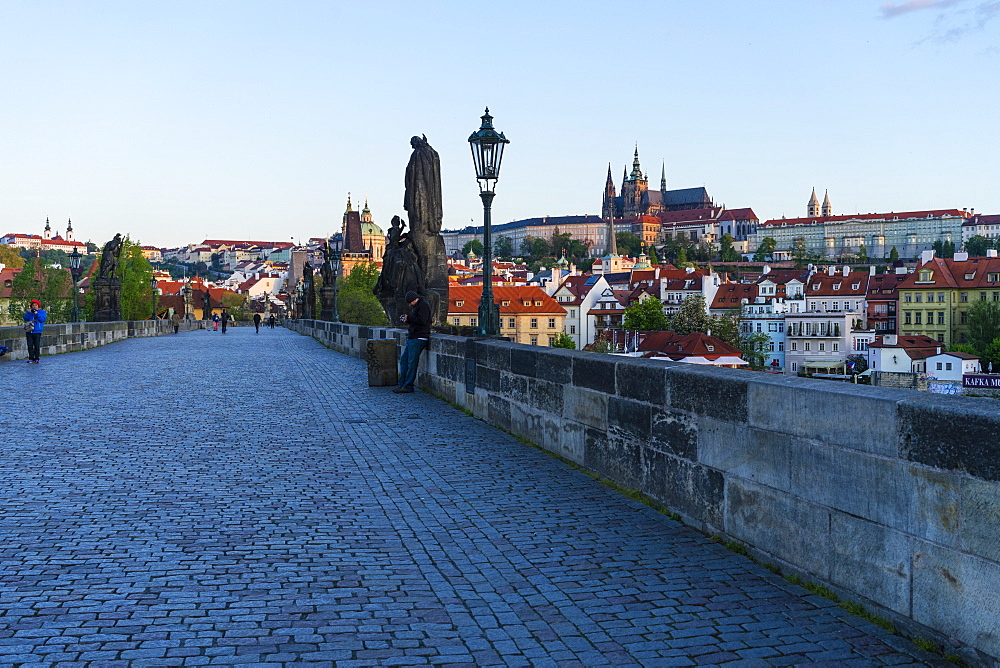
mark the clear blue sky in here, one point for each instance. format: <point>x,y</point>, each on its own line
<point>176,121</point>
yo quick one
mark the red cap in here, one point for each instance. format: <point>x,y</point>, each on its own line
<point>35,301</point>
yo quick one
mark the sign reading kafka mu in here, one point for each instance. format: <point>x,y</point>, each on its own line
<point>980,380</point>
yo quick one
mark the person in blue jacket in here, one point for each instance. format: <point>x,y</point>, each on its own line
<point>34,316</point>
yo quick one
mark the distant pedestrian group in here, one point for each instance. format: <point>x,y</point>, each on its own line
<point>34,322</point>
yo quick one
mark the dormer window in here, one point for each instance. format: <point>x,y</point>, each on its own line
<point>855,286</point>
<point>710,349</point>
<point>815,286</point>
<point>538,303</point>
<point>993,277</point>
<point>926,276</point>
<point>527,303</point>
<point>505,302</point>
<point>970,276</point>
<point>836,286</point>
<point>460,302</point>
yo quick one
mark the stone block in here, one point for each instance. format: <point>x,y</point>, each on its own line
<point>596,372</point>
<point>644,380</point>
<point>486,377</point>
<point>935,507</point>
<point>514,387</point>
<point>717,393</point>
<point>542,430</point>
<point>614,458</point>
<point>686,487</point>
<point>870,487</point>
<point>498,412</point>
<point>523,360</point>
<point>494,354</point>
<point>586,407</point>
<point>446,366</point>
<point>871,560</point>
<point>383,367</point>
<point>546,396</point>
<point>628,419</point>
<point>556,365</point>
<point>957,594</point>
<point>853,416</point>
<point>760,456</point>
<point>980,519</point>
<point>791,529</point>
<point>573,441</point>
<point>959,434</point>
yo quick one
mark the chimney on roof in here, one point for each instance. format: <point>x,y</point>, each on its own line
<point>991,252</point>
<point>926,256</point>
<point>961,257</point>
<point>901,270</point>
<point>847,271</point>
<point>831,270</point>
<point>889,340</point>
<point>871,270</point>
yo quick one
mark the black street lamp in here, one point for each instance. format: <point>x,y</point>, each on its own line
<point>487,152</point>
<point>153,284</point>
<point>74,270</point>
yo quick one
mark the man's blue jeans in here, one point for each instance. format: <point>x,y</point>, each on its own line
<point>408,362</point>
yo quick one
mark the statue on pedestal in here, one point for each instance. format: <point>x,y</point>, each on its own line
<point>416,260</point>
<point>107,288</point>
<point>328,293</point>
<point>308,293</point>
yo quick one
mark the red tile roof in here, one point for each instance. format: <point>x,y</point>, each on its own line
<point>511,299</point>
<point>696,344</point>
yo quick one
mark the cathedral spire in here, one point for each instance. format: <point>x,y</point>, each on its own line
<point>636,174</point>
<point>827,207</point>
<point>349,202</point>
<point>47,234</point>
<point>663,177</point>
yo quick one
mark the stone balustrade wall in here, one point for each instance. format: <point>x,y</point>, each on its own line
<point>70,337</point>
<point>889,497</point>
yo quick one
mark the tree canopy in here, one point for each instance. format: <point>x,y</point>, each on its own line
<point>984,324</point>
<point>49,285</point>
<point>356,301</point>
<point>474,245</point>
<point>646,315</point>
<point>765,249</point>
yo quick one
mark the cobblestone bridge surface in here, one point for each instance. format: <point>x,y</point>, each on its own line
<point>247,499</point>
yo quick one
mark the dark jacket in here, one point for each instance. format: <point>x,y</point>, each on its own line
<point>419,320</point>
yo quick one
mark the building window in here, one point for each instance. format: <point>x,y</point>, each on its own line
<point>948,366</point>
<point>964,317</point>
<point>572,313</point>
<point>460,302</point>
<point>906,298</point>
<point>534,340</point>
<point>795,346</point>
<point>919,318</point>
<point>456,322</point>
<point>781,346</point>
<point>906,318</point>
<point>794,366</point>
<point>808,346</point>
<point>836,306</point>
<point>760,326</point>
<point>552,323</point>
<point>505,302</point>
<point>770,347</point>
<point>552,341</point>
<point>510,323</point>
<point>836,347</point>
<point>534,323</point>
<point>941,297</point>
<point>964,297</point>
<point>939,366</point>
<point>572,329</point>
<point>473,321</point>
<point>822,347</point>
<point>919,297</point>
<point>940,317</point>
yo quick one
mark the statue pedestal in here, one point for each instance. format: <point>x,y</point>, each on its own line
<point>383,367</point>
<point>107,300</point>
<point>328,300</point>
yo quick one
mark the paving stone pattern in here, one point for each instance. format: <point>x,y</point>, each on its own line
<point>247,499</point>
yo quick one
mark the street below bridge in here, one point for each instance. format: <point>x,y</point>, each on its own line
<point>247,499</point>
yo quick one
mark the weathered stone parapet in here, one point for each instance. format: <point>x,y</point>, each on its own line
<point>890,497</point>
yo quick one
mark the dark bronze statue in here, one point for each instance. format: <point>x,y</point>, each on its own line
<point>109,258</point>
<point>415,260</point>
<point>327,271</point>
<point>308,292</point>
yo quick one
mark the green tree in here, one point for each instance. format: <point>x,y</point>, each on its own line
<point>653,257</point>
<point>727,327</point>
<point>503,247</point>
<point>754,347</point>
<point>237,304</point>
<point>9,257</point>
<point>863,254</point>
<point>800,252</point>
<point>727,253</point>
<point>893,254</point>
<point>962,348</point>
<point>628,244</point>
<point>646,315</point>
<point>859,363</point>
<point>49,285</point>
<point>984,324</point>
<point>991,355</point>
<point>681,260</point>
<point>977,246</point>
<point>765,249</point>
<point>692,316</point>
<point>535,247</point>
<point>356,301</point>
<point>564,340</point>
<point>474,245</point>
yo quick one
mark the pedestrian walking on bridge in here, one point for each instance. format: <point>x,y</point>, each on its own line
<point>270,321</point>
<point>225,320</point>
<point>256,322</point>
<point>34,322</point>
